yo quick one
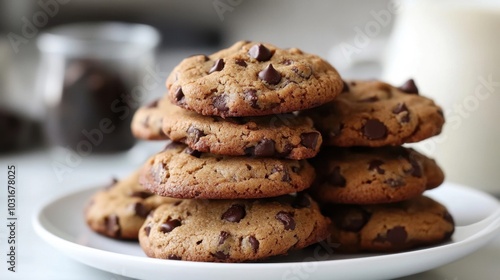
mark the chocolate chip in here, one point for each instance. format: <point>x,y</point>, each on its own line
<point>170,225</point>
<point>174,257</point>
<point>223,236</point>
<point>194,134</point>
<point>147,230</point>
<point>241,62</point>
<point>397,235</point>
<point>400,108</point>
<point>141,194</point>
<point>394,183</point>
<point>153,104</point>
<point>192,152</point>
<point>295,169</point>
<point>218,66</point>
<point>335,130</point>
<point>345,88</point>
<point>220,103</point>
<point>409,87</point>
<point>112,223</point>
<point>270,75</point>
<point>140,210</point>
<point>250,151</point>
<point>264,148</point>
<point>375,165</point>
<point>234,214</point>
<point>374,129</point>
<point>301,201</point>
<point>287,149</point>
<point>260,53</point>
<point>286,174</point>
<point>220,255</point>
<point>251,97</point>
<point>179,95</point>
<point>309,140</point>
<point>254,243</point>
<point>353,220</point>
<point>416,170</point>
<point>287,219</point>
<point>335,178</point>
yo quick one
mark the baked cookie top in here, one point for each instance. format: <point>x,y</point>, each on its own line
<point>232,230</point>
<point>181,172</point>
<point>253,79</point>
<point>392,227</point>
<point>363,175</point>
<point>119,210</point>
<point>282,136</point>
<point>374,114</point>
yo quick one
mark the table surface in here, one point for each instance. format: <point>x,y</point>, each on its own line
<point>38,182</point>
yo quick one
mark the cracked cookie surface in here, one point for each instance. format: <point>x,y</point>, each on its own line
<point>232,230</point>
<point>181,172</point>
<point>375,114</point>
<point>283,136</point>
<point>373,175</point>
<point>252,79</point>
<point>392,227</point>
<point>119,210</point>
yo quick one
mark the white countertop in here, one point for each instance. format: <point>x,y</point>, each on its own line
<point>37,182</point>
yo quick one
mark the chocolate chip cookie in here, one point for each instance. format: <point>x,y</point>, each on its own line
<point>119,210</point>
<point>253,79</point>
<point>362,175</point>
<point>389,227</point>
<point>282,136</point>
<point>232,230</point>
<point>374,114</point>
<point>182,172</point>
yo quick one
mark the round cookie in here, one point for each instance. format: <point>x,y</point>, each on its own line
<point>181,172</point>
<point>362,175</point>
<point>283,136</point>
<point>147,122</point>
<point>375,114</point>
<point>232,230</point>
<point>392,227</point>
<point>119,210</point>
<point>253,79</point>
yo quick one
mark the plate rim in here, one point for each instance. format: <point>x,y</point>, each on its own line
<point>56,241</point>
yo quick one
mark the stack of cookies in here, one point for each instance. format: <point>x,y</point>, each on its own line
<point>369,185</point>
<point>238,155</point>
<point>245,125</point>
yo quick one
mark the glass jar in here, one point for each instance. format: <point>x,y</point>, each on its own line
<point>90,77</point>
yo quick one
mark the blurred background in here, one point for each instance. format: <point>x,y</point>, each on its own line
<point>29,72</point>
<point>63,69</point>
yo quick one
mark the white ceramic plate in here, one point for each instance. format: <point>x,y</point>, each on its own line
<point>61,224</point>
